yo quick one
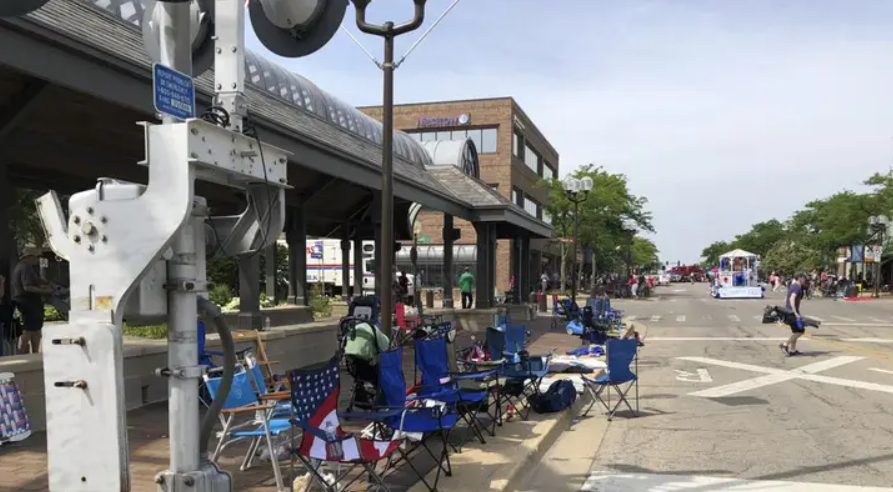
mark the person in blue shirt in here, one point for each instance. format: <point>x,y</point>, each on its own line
<point>792,303</point>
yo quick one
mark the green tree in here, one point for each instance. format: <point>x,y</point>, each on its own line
<point>600,216</point>
<point>791,257</point>
<point>761,237</point>
<point>710,255</point>
<point>644,254</point>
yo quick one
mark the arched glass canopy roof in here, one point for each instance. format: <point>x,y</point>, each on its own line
<point>294,89</point>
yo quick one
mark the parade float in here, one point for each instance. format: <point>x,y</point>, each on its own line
<point>737,276</point>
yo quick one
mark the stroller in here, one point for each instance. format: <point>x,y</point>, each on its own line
<point>780,314</point>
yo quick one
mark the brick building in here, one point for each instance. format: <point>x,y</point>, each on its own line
<point>514,156</point>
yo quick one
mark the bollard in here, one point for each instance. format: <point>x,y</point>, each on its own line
<point>429,299</point>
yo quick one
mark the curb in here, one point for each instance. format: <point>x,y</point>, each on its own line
<point>518,461</point>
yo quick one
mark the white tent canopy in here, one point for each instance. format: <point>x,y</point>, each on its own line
<point>738,253</point>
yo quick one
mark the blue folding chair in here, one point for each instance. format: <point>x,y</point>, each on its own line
<point>621,355</point>
<point>431,357</point>
<point>522,371</point>
<point>260,428</point>
<point>426,415</point>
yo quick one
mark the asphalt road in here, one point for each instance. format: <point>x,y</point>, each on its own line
<point>722,408</point>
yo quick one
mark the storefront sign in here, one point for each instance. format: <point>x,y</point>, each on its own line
<point>441,121</point>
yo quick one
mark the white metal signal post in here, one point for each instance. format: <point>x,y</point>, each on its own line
<point>137,252</point>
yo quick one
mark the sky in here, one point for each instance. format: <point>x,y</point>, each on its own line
<point>722,113</point>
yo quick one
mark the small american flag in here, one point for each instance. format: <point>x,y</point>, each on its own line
<point>315,404</point>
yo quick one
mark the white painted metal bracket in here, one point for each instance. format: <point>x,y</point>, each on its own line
<point>228,158</point>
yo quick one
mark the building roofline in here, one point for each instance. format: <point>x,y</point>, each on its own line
<point>429,103</point>
<point>517,107</point>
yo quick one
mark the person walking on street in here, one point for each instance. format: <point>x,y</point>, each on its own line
<point>792,304</point>
<point>27,290</point>
<point>466,287</point>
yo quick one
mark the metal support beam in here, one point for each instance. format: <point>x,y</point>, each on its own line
<point>249,292</point>
<point>270,256</point>
<point>296,237</point>
<point>448,261</point>
<point>525,281</point>
<point>317,191</point>
<point>24,103</point>
<point>345,262</point>
<point>357,266</point>
<point>7,243</point>
<point>486,265</point>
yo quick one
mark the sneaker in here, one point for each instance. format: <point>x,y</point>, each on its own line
<point>784,348</point>
<point>796,352</point>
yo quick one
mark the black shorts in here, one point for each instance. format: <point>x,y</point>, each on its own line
<point>32,316</point>
<point>795,328</point>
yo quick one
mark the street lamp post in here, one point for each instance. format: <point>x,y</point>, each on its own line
<point>877,226</point>
<point>629,226</point>
<point>388,31</point>
<point>577,191</point>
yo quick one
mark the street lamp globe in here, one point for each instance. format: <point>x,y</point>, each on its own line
<point>586,184</point>
<point>571,185</point>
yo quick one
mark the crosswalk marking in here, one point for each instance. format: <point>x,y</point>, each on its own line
<point>631,318</point>
<point>655,318</point>
<point>877,320</point>
<point>734,318</point>
<point>817,318</point>
<point>708,318</point>
<point>758,318</point>
<point>849,320</point>
<point>680,318</point>
<point>604,481</point>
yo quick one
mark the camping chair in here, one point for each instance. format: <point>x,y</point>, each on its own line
<point>621,354</point>
<point>242,400</point>
<point>361,344</point>
<point>431,358</point>
<point>314,396</point>
<point>522,372</point>
<point>420,417</point>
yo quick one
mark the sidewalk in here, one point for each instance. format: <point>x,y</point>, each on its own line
<point>517,444</point>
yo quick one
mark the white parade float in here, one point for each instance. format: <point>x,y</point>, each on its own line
<point>737,276</point>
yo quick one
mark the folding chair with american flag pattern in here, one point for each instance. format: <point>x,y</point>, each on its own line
<point>314,394</point>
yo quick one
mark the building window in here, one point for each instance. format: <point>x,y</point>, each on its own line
<point>475,136</point>
<point>484,138</point>
<point>531,158</point>
<point>516,145</point>
<point>488,140</point>
<point>548,172</point>
<point>531,206</point>
<point>517,197</point>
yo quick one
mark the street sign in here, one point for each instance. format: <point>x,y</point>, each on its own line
<point>173,92</point>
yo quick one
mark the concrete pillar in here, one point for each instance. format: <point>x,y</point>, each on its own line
<point>7,239</point>
<point>345,262</point>
<point>357,265</point>
<point>376,227</point>
<point>296,237</point>
<point>270,272</point>
<point>485,278</point>
<point>526,279</point>
<point>448,236</point>
<point>249,292</point>
<point>515,270</point>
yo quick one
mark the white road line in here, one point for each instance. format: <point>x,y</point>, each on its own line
<point>716,339</point>
<point>758,318</point>
<point>878,320</point>
<point>861,325</point>
<point>605,481</point>
<point>816,318</point>
<point>734,318</point>
<point>655,318</point>
<point>867,340</point>
<point>631,318</point>
<point>807,372</point>
<point>708,318</point>
<point>885,371</point>
<point>680,318</point>
<point>848,320</point>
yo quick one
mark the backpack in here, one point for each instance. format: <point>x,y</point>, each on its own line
<point>560,395</point>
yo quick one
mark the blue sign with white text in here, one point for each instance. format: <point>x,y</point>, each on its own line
<point>173,91</point>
